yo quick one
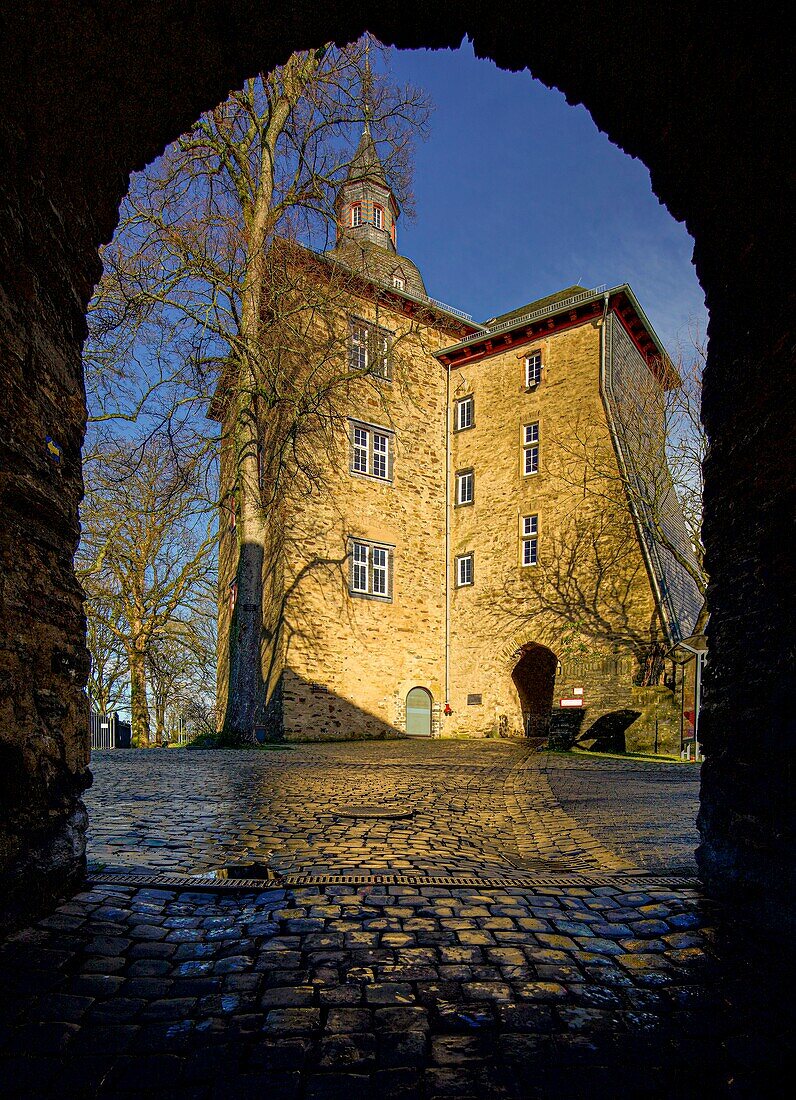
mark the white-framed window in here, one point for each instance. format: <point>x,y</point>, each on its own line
<point>371,450</point>
<point>378,216</point>
<point>465,486</point>
<point>464,570</point>
<point>533,369</point>
<point>398,282</point>
<point>530,539</point>
<point>371,570</point>
<point>530,448</point>
<point>356,214</point>
<point>370,349</point>
<point>465,413</point>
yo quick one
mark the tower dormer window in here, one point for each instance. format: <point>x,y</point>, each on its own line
<point>378,216</point>
<point>356,214</point>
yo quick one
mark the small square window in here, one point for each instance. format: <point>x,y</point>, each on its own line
<point>371,570</point>
<point>398,282</point>
<point>465,487</point>
<point>464,570</point>
<point>371,451</point>
<point>465,413</point>
<point>370,349</point>
<point>533,369</point>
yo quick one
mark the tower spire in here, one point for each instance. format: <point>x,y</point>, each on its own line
<point>367,83</point>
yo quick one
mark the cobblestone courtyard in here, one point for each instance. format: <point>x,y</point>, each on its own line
<point>519,925</point>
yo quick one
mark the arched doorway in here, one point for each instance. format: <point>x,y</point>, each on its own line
<point>672,108</point>
<point>534,677</point>
<point>418,712</point>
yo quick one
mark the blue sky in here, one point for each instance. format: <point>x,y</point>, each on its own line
<point>518,195</point>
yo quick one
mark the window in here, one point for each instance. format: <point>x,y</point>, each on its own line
<point>370,349</point>
<point>530,539</point>
<point>378,217</point>
<point>465,413</point>
<point>464,570</point>
<point>465,487</point>
<point>398,282</point>
<point>371,570</point>
<point>533,369</point>
<point>530,447</point>
<point>371,450</point>
<point>356,214</point>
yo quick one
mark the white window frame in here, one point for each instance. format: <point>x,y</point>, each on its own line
<point>464,411</point>
<point>356,215</point>
<point>399,282</point>
<point>530,449</point>
<point>371,572</point>
<point>465,478</point>
<point>378,216</point>
<point>464,566</point>
<point>370,348</point>
<point>529,540</point>
<point>533,369</point>
<point>371,450</point>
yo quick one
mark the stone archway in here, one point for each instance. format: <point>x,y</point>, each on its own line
<point>91,96</point>
<point>534,677</point>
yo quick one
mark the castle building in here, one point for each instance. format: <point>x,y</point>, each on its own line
<point>488,540</point>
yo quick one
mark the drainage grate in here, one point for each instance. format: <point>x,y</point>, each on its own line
<point>210,881</point>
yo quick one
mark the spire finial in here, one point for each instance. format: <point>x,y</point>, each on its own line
<point>367,82</point>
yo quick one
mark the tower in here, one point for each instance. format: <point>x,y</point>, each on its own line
<point>365,205</point>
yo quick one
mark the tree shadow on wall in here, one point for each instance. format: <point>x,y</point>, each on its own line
<point>304,710</point>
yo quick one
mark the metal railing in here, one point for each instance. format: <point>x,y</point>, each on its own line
<point>543,311</point>
<point>452,309</point>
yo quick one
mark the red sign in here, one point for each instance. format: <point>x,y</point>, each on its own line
<point>571,702</point>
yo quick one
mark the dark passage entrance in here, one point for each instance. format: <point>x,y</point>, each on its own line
<point>534,678</point>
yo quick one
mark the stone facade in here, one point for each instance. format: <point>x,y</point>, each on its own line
<point>496,643</point>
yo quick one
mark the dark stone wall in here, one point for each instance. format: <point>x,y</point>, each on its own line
<point>92,92</point>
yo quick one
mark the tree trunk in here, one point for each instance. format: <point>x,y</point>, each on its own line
<point>139,709</point>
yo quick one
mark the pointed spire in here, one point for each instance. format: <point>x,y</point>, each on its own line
<point>367,84</point>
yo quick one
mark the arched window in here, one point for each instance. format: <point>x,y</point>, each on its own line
<point>378,216</point>
<point>356,214</point>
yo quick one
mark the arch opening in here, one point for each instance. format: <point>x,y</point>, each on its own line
<point>670,112</point>
<point>534,677</point>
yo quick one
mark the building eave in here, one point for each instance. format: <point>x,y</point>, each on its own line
<point>558,316</point>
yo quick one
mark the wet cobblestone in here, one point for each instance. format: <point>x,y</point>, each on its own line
<point>382,990</point>
<point>483,807</point>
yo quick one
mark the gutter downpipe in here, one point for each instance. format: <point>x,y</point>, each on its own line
<point>447,535</point>
<point>620,457</point>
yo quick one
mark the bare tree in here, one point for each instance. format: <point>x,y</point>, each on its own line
<point>108,680</point>
<point>146,553</point>
<point>640,490</point>
<point>194,290</point>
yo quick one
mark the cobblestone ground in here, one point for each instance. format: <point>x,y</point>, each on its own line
<point>380,990</point>
<point>485,807</point>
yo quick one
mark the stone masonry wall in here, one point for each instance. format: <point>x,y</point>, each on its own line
<point>588,625</point>
<point>357,657</point>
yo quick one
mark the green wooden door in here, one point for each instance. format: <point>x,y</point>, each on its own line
<point>418,713</point>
